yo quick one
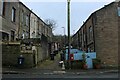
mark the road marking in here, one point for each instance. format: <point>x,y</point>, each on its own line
<point>48,73</point>
<point>59,72</point>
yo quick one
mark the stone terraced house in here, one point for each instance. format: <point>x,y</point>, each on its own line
<point>99,33</point>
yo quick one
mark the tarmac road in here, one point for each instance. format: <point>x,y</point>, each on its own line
<point>62,74</point>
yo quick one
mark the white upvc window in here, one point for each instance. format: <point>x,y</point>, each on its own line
<point>13,14</point>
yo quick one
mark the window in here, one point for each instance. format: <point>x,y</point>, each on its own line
<point>12,35</point>
<point>5,36</point>
<point>118,11</point>
<point>3,13</point>
<point>38,25</point>
<point>27,20</point>
<point>84,37</point>
<point>80,37</point>
<point>22,16</point>
<point>90,33</point>
<point>13,14</point>
<point>2,7</point>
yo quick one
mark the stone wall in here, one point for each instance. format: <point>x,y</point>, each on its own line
<point>12,60</point>
<point>10,54</point>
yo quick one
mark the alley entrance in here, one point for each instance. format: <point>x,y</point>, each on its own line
<point>50,64</point>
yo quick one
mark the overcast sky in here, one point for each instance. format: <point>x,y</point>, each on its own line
<point>57,10</point>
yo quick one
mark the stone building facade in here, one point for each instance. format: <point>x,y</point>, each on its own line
<point>10,20</point>
<point>18,22</point>
<point>22,28</point>
<point>106,37</point>
<point>99,33</point>
<point>24,22</point>
<point>34,26</point>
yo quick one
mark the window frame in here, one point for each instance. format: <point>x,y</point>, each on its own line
<point>90,33</point>
<point>13,14</point>
<point>2,13</point>
<point>22,16</point>
<point>27,20</point>
<point>1,4</point>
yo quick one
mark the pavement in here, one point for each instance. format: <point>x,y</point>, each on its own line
<point>49,67</point>
<point>49,71</point>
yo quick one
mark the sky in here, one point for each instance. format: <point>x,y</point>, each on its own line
<point>57,10</point>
